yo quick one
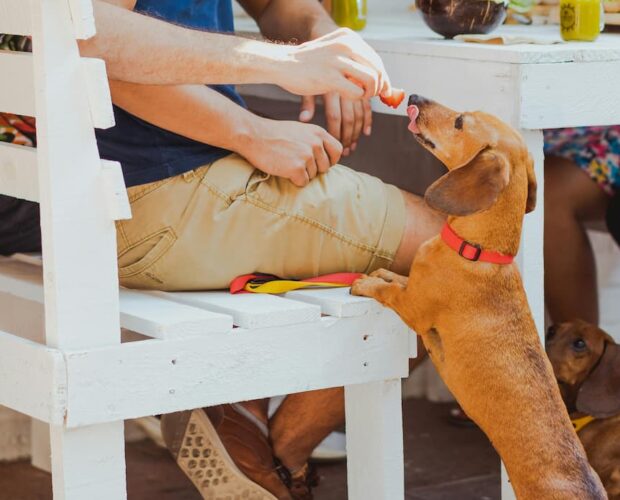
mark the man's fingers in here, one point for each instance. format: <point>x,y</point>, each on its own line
<point>348,124</point>
<point>333,114</point>
<point>333,148</point>
<point>308,108</point>
<point>300,178</point>
<point>311,166</point>
<point>346,88</point>
<point>364,76</point>
<point>367,117</point>
<point>358,109</point>
<point>321,159</point>
<point>386,88</point>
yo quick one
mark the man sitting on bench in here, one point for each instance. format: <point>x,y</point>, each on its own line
<point>217,191</point>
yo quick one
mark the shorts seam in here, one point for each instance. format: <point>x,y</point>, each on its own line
<point>121,231</point>
<point>148,190</point>
<point>220,194</point>
<point>375,251</point>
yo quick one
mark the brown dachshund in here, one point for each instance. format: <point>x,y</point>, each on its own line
<point>586,362</point>
<point>466,300</point>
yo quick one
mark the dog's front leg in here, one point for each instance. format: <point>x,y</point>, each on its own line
<point>382,285</point>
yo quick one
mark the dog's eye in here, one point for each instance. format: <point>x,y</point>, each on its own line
<point>458,123</point>
<point>551,331</point>
<point>579,345</point>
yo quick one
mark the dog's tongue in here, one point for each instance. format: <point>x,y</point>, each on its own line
<point>413,113</point>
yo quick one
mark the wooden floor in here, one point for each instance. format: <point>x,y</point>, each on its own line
<point>442,462</point>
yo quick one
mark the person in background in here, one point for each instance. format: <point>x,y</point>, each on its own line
<point>582,180</point>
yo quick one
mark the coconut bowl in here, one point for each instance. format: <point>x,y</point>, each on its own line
<point>462,17</point>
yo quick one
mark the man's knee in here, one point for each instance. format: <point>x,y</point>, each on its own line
<point>421,224</point>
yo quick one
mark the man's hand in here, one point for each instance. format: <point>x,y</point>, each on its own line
<point>340,62</point>
<point>346,119</point>
<point>293,150</point>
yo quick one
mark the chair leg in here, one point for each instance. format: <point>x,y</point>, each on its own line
<point>375,462</point>
<point>40,451</point>
<point>89,462</point>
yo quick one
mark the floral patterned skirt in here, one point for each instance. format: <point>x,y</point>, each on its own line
<point>595,150</point>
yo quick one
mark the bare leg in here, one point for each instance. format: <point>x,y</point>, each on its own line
<point>302,422</point>
<point>572,199</point>
<point>421,225</point>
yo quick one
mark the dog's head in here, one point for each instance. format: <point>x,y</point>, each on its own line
<point>586,363</point>
<point>480,151</point>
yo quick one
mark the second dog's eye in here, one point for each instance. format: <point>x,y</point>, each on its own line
<point>458,123</point>
<point>579,345</point>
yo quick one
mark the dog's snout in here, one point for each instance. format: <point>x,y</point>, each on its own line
<point>417,100</point>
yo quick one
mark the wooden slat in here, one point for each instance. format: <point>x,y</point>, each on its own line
<point>163,319</point>
<point>17,92</point>
<point>99,96</point>
<point>15,17</point>
<point>18,172</point>
<point>152,377</point>
<point>83,18</point>
<point>140,312</point>
<point>251,310</point>
<point>336,302</point>
<point>32,379</point>
<point>116,193</point>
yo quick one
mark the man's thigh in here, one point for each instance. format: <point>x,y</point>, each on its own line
<point>202,229</point>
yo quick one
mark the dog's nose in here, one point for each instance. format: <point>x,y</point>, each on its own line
<point>417,100</point>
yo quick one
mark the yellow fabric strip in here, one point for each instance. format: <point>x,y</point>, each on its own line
<point>283,286</point>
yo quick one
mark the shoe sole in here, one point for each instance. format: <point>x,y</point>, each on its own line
<point>205,461</point>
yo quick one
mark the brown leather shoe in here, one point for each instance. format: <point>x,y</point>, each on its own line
<point>224,453</point>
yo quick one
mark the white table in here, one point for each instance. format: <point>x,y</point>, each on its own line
<point>531,87</point>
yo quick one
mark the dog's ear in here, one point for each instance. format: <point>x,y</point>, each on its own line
<point>532,185</point>
<point>471,188</point>
<point>599,395</point>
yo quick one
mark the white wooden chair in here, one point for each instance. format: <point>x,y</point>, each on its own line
<point>78,379</point>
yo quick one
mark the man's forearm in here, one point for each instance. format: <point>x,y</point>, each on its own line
<point>194,111</point>
<point>288,21</point>
<point>142,49</point>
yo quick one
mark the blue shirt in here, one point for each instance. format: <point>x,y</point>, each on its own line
<point>149,153</point>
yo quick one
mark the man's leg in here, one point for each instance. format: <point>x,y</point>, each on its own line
<point>572,199</point>
<point>304,420</point>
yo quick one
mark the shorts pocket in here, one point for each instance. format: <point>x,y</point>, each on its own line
<point>141,255</point>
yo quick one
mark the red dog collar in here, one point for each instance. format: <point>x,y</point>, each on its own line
<point>471,251</point>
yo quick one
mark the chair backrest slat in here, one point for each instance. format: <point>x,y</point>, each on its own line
<point>18,172</point>
<point>15,17</point>
<point>79,237</point>
<point>16,83</point>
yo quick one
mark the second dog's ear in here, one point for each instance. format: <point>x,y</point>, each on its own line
<point>599,396</point>
<point>472,188</point>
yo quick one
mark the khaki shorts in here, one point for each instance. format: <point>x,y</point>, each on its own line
<point>199,230</point>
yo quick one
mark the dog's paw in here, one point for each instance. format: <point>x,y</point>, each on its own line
<point>389,276</point>
<point>366,286</point>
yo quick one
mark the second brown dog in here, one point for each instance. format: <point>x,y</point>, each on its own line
<point>586,363</point>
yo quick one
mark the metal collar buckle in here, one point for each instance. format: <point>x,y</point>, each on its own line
<point>464,247</point>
